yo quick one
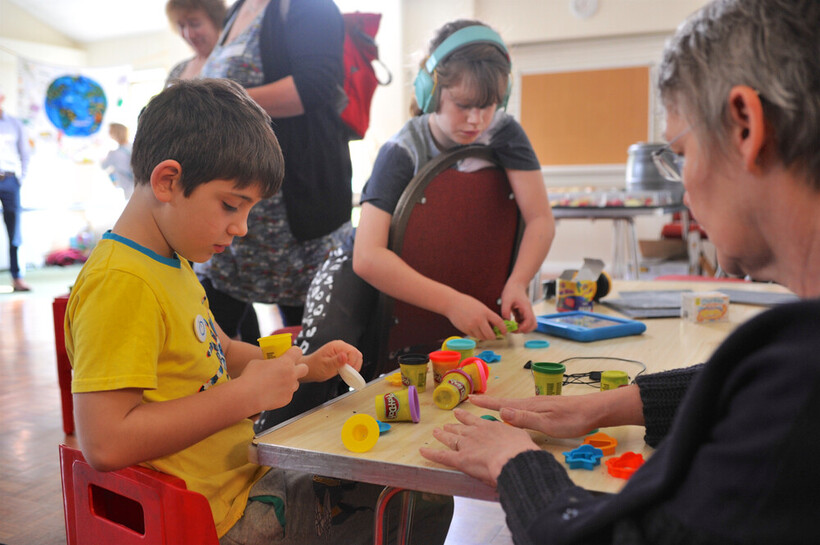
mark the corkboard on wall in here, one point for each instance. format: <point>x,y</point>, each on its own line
<point>588,117</point>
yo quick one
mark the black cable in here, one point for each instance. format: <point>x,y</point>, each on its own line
<point>593,378</point>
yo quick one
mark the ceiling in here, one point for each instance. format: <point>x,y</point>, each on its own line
<point>86,21</point>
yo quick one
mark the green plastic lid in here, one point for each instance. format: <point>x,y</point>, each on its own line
<point>549,367</point>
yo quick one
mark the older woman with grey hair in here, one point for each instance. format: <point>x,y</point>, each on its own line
<point>740,82</point>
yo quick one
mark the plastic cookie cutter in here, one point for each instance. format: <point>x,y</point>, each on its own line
<point>584,457</point>
<point>384,427</point>
<point>489,356</point>
<point>602,441</point>
<point>394,379</point>
<point>536,343</point>
<point>624,465</point>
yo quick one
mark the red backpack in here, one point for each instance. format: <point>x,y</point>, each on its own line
<point>360,51</point>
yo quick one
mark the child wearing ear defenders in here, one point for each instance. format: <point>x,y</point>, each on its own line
<point>460,91</point>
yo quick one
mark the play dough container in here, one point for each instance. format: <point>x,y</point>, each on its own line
<point>455,386</point>
<point>613,379</point>
<point>414,370</point>
<point>478,371</point>
<point>274,346</point>
<point>401,405</point>
<point>548,377</point>
<point>443,361</point>
<point>360,433</point>
<point>466,347</point>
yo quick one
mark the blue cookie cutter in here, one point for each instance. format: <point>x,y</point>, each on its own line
<point>489,356</point>
<point>584,457</point>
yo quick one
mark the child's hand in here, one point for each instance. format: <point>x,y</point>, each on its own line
<point>514,301</point>
<point>271,383</point>
<point>325,362</point>
<point>473,318</point>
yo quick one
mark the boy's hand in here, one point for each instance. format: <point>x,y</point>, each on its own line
<point>271,383</point>
<point>516,302</point>
<point>473,318</point>
<point>325,362</point>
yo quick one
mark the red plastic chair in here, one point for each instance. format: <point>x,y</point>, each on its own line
<point>462,229</point>
<point>130,506</point>
<point>63,365</point>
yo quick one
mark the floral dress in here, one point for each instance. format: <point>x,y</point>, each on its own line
<point>269,264</point>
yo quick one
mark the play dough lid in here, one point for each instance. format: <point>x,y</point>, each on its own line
<point>352,377</point>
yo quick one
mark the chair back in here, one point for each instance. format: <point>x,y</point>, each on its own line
<point>135,505</point>
<point>58,308</point>
<point>459,228</point>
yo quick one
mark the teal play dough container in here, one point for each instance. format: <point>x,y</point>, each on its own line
<point>464,346</point>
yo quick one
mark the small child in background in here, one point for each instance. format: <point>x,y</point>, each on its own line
<point>470,85</point>
<point>156,381</point>
<point>118,161</point>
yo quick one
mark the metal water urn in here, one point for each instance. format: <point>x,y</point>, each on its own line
<point>643,175</point>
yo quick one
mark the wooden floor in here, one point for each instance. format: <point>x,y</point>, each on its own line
<point>31,511</point>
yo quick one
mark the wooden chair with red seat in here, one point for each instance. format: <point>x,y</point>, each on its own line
<point>462,229</point>
<point>135,505</point>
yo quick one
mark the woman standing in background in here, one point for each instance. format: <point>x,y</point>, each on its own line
<point>288,55</point>
<point>199,22</point>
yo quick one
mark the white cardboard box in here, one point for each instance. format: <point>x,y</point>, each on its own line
<point>705,306</point>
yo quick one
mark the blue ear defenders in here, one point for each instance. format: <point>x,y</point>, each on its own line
<point>425,82</point>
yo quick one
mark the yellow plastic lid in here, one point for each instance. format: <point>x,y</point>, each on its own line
<point>360,433</point>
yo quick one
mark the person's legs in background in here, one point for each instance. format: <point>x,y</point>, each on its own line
<point>235,317</point>
<point>10,198</point>
<point>291,315</point>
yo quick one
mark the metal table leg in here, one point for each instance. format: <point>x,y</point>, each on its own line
<point>406,521</point>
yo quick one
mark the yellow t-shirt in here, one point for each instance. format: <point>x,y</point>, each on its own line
<point>136,319</point>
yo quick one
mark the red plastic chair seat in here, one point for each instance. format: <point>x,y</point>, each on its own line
<point>63,365</point>
<point>130,506</point>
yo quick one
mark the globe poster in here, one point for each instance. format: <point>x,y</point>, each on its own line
<point>76,105</point>
<point>70,108</point>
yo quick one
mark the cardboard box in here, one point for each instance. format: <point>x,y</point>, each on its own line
<point>704,307</point>
<point>668,248</point>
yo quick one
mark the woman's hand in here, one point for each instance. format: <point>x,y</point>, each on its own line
<point>478,447</point>
<point>566,415</point>
<point>325,362</point>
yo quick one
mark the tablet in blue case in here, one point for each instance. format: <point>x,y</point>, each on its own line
<point>587,326</point>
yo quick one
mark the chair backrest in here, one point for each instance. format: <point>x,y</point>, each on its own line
<point>459,228</point>
<point>58,308</point>
<point>134,505</point>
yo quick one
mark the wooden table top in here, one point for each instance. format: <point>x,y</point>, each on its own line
<point>312,442</point>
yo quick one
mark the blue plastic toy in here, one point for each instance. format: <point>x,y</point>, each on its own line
<point>489,356</point>
<point>584,457</point>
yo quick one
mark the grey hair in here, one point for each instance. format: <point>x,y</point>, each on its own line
<point>772,46</point>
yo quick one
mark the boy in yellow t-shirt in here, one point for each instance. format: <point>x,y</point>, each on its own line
<point>156,381</point>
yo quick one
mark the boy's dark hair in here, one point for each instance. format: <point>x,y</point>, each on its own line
<point>214,130</point>
<point>481,66</point>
